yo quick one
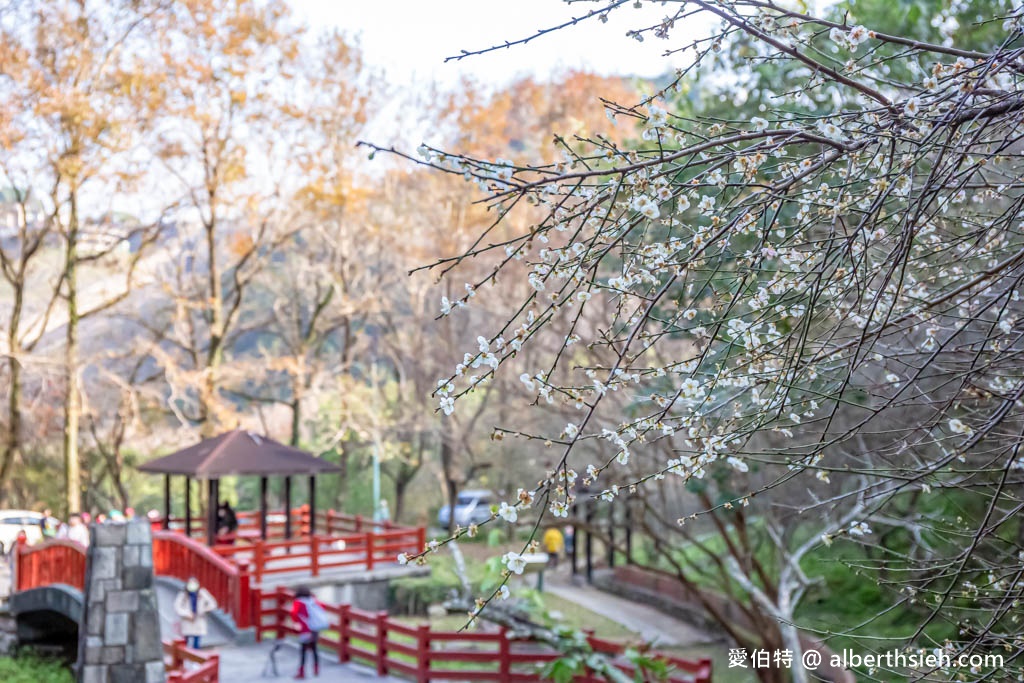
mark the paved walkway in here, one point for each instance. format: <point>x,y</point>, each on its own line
<point>251,663</point>
<point>651,624</point>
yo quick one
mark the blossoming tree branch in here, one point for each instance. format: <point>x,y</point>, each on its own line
<point>796,297</point>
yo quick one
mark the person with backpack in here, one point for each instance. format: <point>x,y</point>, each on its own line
<point>311,618</point>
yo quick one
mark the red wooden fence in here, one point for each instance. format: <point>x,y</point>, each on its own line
<point>56,561</point>
<point>417,652</point>
<point>314,554</point>
<point>328,522</point>
<point>177,657</point>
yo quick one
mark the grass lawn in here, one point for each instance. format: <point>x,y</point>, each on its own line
<point>578,617</point>
<point>569,614</point>
<point>719,655</point>
<point>33,670</point>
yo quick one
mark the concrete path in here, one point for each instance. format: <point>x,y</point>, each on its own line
<point>251,663</point>
<point>652,625</point>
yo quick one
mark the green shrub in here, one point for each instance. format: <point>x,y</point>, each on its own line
<point>31,669</point>
<point>412,595</point>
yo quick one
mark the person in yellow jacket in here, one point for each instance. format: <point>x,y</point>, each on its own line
<point>554,544</point>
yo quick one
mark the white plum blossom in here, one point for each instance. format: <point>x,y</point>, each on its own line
<point>859,529</point>
<point>515,562</point>
<point>957,426</point>
<point>402,558</point>
<point>760,124</point>
<point>646,206</point>
<point>508,513</point>
<point>657,117</point>
<point>503,592</point>
<point>857,35</point>
<point>559,508</point>
<point>851,39</point>
<point>737,464</point>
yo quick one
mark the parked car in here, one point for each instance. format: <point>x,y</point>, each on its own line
<point>13,521</point>
<point>471,507</point>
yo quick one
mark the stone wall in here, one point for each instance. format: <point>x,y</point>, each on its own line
<point>119,638</point>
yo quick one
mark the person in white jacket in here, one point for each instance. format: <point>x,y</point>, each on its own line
<point>192,605</point>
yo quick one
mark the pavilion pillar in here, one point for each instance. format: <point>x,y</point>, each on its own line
<point>312,504</point>
<point>287,508</point>
<point>611,533</point>
<point>167,502</point>
<point>263,508</point>
<point>629,532</point>
<point>588,508</point>
<point>212,491</point>
<point>575,540</point>
<point>188,507</point>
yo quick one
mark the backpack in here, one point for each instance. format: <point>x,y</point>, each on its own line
<point>316,616</point>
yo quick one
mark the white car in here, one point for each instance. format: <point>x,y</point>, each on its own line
<point>13,521</point>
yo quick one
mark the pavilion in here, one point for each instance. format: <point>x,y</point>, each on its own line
<point>238,453</point>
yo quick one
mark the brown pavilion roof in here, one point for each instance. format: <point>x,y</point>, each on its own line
<point>239,452</point>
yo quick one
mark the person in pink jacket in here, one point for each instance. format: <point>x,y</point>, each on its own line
<point>311,618</point>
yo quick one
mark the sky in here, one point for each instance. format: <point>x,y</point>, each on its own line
<point>411,38</point>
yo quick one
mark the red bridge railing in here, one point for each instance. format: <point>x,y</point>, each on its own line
<point>228,571</point>
<point>56,561</point>
<point>204,667</point>
<point>179,557</point>
<point>420,653</point>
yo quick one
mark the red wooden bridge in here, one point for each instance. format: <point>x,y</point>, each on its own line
<point>235,574</point>
<point>233,571</point>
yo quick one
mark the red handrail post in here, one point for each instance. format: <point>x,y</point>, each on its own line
<point>343,620</point>
<point>705,672</point>
<point>257,612</point>
<point>421,540</point>
<point>314,554</point>
<point>176,660</point>
<point>258,560</point>
<point>504,657</point>
<point>279,599</point>
<point>359,523</point>
<point>369,550</point>
<point>19,563</point>
<point>215,661</point>
<point>382,643</point>
<point>423,653</point>
<point>243,597</point>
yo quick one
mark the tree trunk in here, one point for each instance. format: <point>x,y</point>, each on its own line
<point>298,390</point>
<point>447,469</point>
<point>12,447</point>
<point>215,354</point>
<point>339,497</point>
<point>72,397</point>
